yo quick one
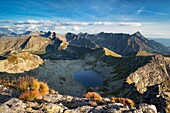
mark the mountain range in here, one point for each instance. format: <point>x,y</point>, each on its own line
<point>123,44</point>
<point>129,65</point>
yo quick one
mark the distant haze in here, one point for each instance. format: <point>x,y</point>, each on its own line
<point>164,41</point>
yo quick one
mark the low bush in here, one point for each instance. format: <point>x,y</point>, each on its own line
<point>124,101</point>
<point>93,95</point>
<point>43,88</point>
<point>29,95</point>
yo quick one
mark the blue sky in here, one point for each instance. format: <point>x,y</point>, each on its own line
<point>151,17</point>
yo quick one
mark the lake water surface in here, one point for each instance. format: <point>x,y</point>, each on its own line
<point>88,78</point>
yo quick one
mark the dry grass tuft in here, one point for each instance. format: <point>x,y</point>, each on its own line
<point>30,87</point>
<point>93,95</point>
<point>24,83</point>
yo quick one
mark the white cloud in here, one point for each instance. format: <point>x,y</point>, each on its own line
<point>133,24</point>
<point>77,28</point>
<point>45,22</point>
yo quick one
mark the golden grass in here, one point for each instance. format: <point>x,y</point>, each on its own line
<point>24,83</point>
<point>34,84</point>
<point>93,95</point>
<point>43,89</point>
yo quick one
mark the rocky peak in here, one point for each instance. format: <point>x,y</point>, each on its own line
<point>138,34</point>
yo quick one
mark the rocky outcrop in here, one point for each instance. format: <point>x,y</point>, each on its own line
<point>153,79</point>
<point>19,63</point>
<point>151,74</point>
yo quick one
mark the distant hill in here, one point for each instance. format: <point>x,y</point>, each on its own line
<point>164,41</point>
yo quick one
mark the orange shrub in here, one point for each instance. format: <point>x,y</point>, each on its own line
<point>34,84</point>
<point>43,88</point>
<point>29,95</point>
<point>124,101</point>
<point>93,95</point>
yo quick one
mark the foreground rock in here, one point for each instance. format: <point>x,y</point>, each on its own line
<point>57,103</point>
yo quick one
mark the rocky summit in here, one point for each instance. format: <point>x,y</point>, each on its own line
<point>37,73</point>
